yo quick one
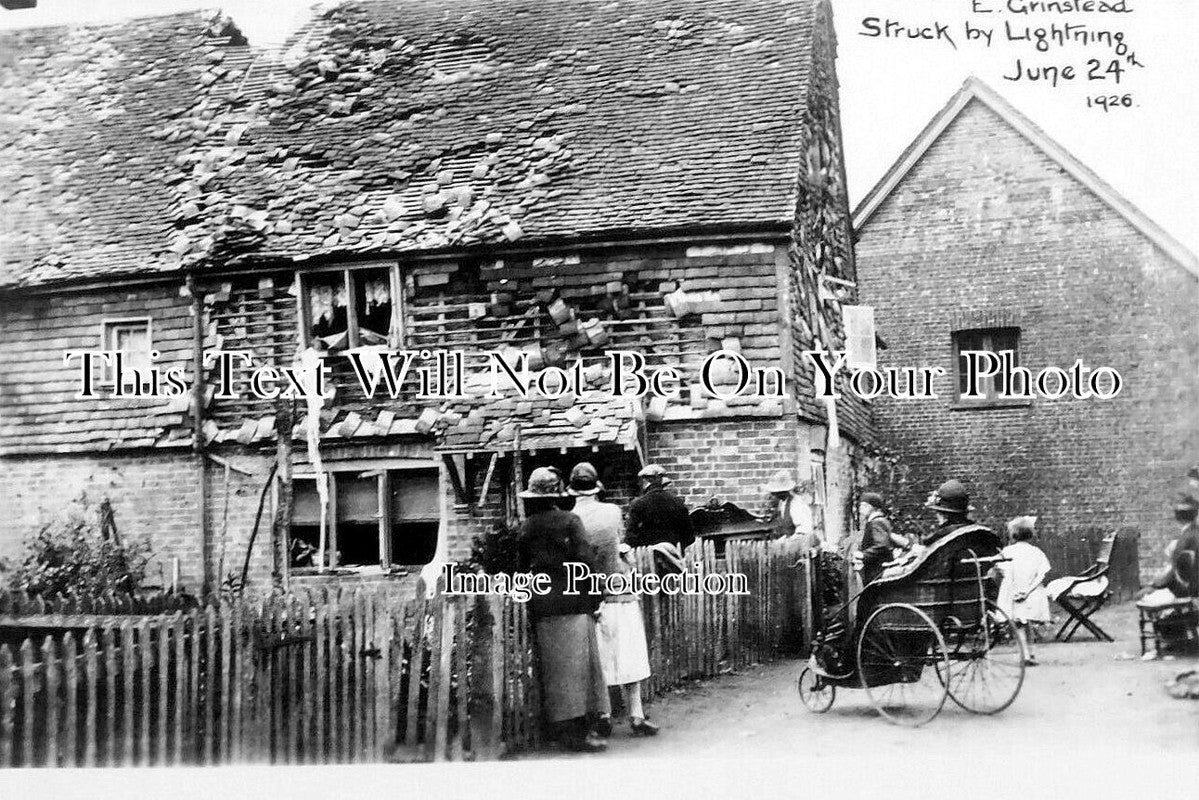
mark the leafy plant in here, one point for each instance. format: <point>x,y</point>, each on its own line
<point>81,553</point>
<point>495,552</point>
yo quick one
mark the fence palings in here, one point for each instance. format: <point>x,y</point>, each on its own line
<point>345,675</point>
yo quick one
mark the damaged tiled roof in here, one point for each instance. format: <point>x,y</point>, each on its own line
<point>85,190</point>
<point>387,127</point>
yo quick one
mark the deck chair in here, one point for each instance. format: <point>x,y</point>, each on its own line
<point>1080,596</point>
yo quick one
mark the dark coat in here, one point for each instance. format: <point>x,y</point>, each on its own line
<point>1182,579</point>
<point>547,540</point>
<point>942,531</point>
<point>875,546</point>
<point>658,516</point>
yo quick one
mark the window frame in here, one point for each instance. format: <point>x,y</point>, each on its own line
<point>397,333</point>
<point>991,399</point>
<point>108,328</point>
<point>383,473</point>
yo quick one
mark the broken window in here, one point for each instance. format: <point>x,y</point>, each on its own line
<point>350,308</point>
<point>131,338</point>
<point>377,518</point>
<point>994,340</point>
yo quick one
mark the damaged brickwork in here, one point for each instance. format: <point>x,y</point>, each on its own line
<point>540,189</point>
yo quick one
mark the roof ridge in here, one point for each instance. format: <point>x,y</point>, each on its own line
<point>974,88</point>
<point>200,13</point>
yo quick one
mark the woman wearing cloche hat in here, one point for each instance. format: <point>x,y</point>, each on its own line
<point>621,628</point>
<point>574,692</point>
<point>951,504</point>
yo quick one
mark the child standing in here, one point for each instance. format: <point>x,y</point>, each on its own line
<point>1022,595</point>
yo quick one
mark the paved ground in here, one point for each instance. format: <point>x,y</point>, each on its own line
<point>1086,695</point>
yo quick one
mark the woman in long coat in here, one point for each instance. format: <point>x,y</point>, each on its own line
<point>574,694</point>
<point>623,650</point>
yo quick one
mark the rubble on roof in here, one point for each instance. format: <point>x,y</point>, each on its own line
<point>379,131</point>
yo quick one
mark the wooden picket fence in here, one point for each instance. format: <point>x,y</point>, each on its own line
<point>337,675</point>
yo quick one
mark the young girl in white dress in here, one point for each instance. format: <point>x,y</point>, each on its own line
<point>1022,594</point>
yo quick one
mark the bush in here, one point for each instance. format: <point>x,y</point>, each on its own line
<point>81,553</point>
<point>495,552</point>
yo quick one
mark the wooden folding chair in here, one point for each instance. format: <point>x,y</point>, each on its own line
<point>1080,596</point>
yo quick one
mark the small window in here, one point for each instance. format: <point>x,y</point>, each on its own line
<point>130,338</point>
<point>991,388</point>
<point>350,308</point>
<point>377,518</point>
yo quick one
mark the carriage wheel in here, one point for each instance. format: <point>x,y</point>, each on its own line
<point>817,694</point>
<point>987,664</point>
<point>900,657</point>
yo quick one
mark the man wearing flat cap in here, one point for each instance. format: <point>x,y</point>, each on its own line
<point>657,516</point>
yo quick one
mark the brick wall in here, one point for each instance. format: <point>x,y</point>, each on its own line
<point>153,497</point>
<point>984,228</point>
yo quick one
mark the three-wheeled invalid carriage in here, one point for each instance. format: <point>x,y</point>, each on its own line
<point>924,631</point>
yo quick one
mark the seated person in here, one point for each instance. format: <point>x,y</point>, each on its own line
<point>1180,578</point>
<point>875,549</point>
<point>952,506</point>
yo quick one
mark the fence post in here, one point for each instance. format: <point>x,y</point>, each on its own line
<point>486,690</point>
<point>8,702</point>
<point>28,692</point>
<point>179,707</point>
<point>50,665</point>
<point>89,724</point>
<point>439,668</point>
<point>71,719</point>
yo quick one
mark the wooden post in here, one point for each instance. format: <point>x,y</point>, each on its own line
<point>28,692</point>
<point>109,641</point>
<point>8,709</point>
<point>50,665</point>
<point>321,676</point>
<point>90,732</point>
<point>518,477</point>
<point>198,391</point>
<point>486,688</point>
<point>281,529</point>
<point>441,679</point>
<point>70,654</point>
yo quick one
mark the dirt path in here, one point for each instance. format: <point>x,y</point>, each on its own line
<point>1081,695</point>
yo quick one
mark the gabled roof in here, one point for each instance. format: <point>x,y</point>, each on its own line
<point>974,90</point>
<point>386,127</point>
<point>85,188</point>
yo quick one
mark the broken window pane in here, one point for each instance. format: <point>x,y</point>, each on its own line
<point>415,516</point>
<point>373,305</point>
<point>327,308</point>
<point>357,520</point>
<point>305,524</point>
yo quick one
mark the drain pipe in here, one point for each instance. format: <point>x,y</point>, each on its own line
<point>198,387</point>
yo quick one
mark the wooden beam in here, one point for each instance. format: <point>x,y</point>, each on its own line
<point>457,479</point>
<point>495,457</point>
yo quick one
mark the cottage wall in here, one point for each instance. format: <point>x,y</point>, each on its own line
<point>987,230</point>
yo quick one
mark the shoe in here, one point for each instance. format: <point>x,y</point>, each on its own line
<point>1031,661</point>
<point>643,727</point>
<point>584,744</point>
<point>603,727</point>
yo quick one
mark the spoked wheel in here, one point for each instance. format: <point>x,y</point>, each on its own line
<point>986,664</point>
<point>901,656</point>
<point>815,692</point>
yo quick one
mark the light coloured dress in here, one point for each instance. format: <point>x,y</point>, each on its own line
<point>1024,573</point>
<point>622,647</point>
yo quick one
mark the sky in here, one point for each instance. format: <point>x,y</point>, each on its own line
<point>892,85</point>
